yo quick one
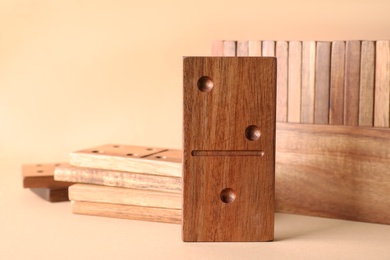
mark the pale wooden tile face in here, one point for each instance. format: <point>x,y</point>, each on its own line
<point>39,169</point>
<point>171,155</point>
<point>121,150</point>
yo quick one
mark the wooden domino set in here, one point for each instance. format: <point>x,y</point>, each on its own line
<point>311,139</point>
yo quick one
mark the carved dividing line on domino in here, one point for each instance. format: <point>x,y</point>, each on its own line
<point>227,153</point>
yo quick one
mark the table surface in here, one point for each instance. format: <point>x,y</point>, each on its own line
<point>32,228</point>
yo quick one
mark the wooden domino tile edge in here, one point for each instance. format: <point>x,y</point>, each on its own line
<point>154,163</point>
<point>124,196</point>
<point>118,178</point>
<point>172,216</point>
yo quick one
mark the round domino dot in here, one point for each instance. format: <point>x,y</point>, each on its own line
<point>227,195</point>
<point>205,84</point>
<point>252,133</point>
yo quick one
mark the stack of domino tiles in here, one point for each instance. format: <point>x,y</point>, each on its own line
<point>122,181</point>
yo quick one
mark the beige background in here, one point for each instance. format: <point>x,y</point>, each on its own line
<point>75,74</point>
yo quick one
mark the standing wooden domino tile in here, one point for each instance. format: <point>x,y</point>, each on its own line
<point>229,149</point>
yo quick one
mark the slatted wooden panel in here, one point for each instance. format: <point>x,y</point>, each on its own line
<point>337,83</point>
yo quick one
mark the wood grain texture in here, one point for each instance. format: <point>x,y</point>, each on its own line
<point>359,108</point>
<point>242,48</point>
<point>346,167</point>
<point>131,212</point>
<point>219,120</point>
<point>337,78</point>
<point>308,81</point>
<point>322,83</point>
<point>367,83</point>
<point>254,49</point>
<point>382,84</point>
<point>217,48</point>
<point>119,178</point>
<point>229,48</point>
<point>41,175</point>
<point>126,158</point>
<point>294,81</point>
<point>125,196</point>
<point>352,83</point>
<point>52,194</point>
<point>333,171</point>
<point>282,81</point>
<point>268,49</point>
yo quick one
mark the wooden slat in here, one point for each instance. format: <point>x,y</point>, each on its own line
<point>294,81</point>
<point>131,212</point>
<point>282,80</point>
<point>382,84</point>
<point>217,48</point>
<point>254,48</point>
<point>41,175</point>
<point>351,87</point>
<point>337,78</point>
<point>120,178</point>
<point>242,48</point>
<point>124,196</point>
<point>322,83</point>
<point>268,49</point>
<point>125,158</point>
<point>229,48</point>
<point>225,196</point>
<point>333,171</point>
<point>308,81</point>
<point>367,83</point>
